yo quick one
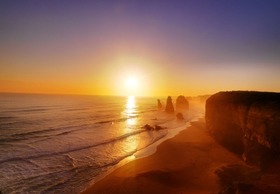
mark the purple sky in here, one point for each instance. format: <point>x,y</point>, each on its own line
<point>203,42</point>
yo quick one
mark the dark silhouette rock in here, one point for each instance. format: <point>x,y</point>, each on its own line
<point>158,127</point>
<point>148,127</point>
<point>159,104</point>
<point>180,116</point>
<point>182,103</point>
<point>169,105</point>
<point>247,123</point>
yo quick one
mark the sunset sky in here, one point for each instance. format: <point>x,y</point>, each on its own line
<point>190,47</point>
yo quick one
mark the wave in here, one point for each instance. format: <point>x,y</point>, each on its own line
<point>82,174</point>
<point>115,120</point>
<point>135,115</point>
<point>59,180</point>
<point>46,132</point>
<point>75,109</point>
<point>73,149</point>
<point>27,110</point>
<point>39,134</point>
<point>7,117</point>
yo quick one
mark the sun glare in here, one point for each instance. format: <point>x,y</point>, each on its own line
<point>131,85</point>
<point>132,82</point>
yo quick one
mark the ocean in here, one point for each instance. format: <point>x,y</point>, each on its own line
<point>63,143</point>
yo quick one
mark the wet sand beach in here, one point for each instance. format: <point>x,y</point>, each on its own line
<point>183,164</point>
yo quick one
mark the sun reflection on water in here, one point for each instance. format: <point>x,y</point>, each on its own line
<point>131,122</point>
<point>130,106</point>
<point>131,114</point>
<point>131,111</point>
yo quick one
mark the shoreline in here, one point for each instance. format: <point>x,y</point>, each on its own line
<point>175,167</point>
<point>145,152</point>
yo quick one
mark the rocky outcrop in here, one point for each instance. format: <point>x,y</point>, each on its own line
<point>180,116</point>
<point>159,104</point>
<point>156,127</point>
<point>182,103</point>
<point>247,123</point>
<point>169,105</point>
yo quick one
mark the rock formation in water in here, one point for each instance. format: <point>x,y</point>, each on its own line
<point>182,103</point>
<point>158,127</point>
<point>159,104</point>
<point>169,105</point>
<point>180,116</point>
<point>148,127</point>
<point>247,123</point>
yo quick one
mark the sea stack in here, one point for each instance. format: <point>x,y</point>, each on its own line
<point>169,105</point>
<point>180,116</point>
<point>159,104</point>
<point>182,103</point>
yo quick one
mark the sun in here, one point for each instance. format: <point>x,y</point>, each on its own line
<point>132,85</point>
<point>132,82</point>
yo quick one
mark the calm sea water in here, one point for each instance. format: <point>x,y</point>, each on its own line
<point>62,144</point>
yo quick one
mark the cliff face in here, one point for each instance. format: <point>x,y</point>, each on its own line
<point>182,104</point>
<point>169,105</point>
<point>247,123</point>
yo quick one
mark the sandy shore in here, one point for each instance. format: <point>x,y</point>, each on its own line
<point>183,164</point>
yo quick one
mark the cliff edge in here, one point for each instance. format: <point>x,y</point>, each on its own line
<point>247,123</point>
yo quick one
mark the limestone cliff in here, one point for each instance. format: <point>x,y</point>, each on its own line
<point>247,123</point>
<point>182,103</point>
<point>159,104</point>
<point>169,105</point>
